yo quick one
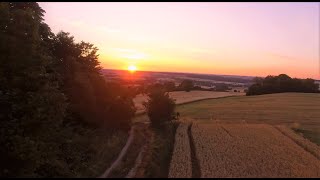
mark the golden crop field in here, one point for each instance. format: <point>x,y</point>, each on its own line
<point>250,150</point>
<point>185,97</point>
<point>299,109</point>
<point>180,165</point>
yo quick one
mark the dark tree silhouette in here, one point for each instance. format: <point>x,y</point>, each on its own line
<point>186,85</point>
<point>160,107</point>
<point>51,92</point>
<point>281,83</point>
<point>169,86</point>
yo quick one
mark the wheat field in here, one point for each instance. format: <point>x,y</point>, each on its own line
<point>250,150</point>
<point>180,165</point>
<point>301,110</point>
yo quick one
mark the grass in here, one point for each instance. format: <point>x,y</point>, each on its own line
<point>107,150</point>
<point>282,108</point>
<point>161,152</point>
<point>86,153</point>
<point>128,161</point>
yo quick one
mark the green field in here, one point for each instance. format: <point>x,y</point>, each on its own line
<point>300,110</point>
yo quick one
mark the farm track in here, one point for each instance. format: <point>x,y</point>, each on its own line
<point>184,162</point>
<point>138,142</point>
<point>141,162</point>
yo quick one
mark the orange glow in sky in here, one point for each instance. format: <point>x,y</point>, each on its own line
<point>255,39</point>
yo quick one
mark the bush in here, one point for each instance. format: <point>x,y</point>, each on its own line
<point>221,87</point>
<point>186,85</point>
<point>160,107</point>
<point>169,86</point>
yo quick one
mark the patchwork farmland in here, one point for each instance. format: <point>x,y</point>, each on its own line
<point>182,97</point>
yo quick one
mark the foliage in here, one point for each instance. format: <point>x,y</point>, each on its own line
<point>51,90</point>
<point>282,83</point>
<point>169,86</point>
<point>100,103</point>
<point>221,87</point>
<point>32,107</point>
<point>160,107</point>
<point>161,151</point>
<point>186,85</point>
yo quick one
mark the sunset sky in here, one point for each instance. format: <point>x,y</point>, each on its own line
<point>255,39</point>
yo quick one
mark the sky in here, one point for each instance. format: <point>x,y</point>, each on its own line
<point>253,39</point>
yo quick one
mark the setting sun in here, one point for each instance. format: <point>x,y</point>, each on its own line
<point>132,68</point>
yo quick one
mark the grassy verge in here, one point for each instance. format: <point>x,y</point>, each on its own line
<point>161,152</point>
<point>82,152</point>
<point>90,153</point>
<point>308,135</point>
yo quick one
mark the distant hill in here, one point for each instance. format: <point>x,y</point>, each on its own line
<point>151,74</point>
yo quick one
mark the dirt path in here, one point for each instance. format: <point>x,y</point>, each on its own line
<point>142,160</point>
<point>131,154</point>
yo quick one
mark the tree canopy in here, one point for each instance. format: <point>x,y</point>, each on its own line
<point>186,85</point>
<point>159,107</point>
<point>282,83</point>
<point>47,83</point>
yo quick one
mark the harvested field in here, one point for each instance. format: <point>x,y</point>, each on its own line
<point>250,150</point>
<point>184,97</point>
<point>180,165</point>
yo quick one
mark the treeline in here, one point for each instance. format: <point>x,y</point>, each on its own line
<point>282,83</point>
<point>221,78</point>
<point>185,85</point>
<point>51,93</point>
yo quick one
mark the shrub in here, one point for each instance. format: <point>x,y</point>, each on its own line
<point>186,85</point>
<point>160,107</point>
